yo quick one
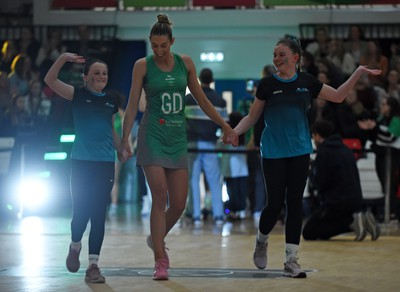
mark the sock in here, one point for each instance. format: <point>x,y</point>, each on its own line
<point>262,238</point>
<point>291,251</point>
<point>76,245</point>
<point>93,259</point>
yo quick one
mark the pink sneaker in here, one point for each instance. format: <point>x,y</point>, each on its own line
<point>150,244</point>
<point>161,270</point>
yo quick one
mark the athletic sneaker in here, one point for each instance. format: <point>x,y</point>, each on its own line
<point>358,226</point>
<point>73,264</point>
<point>293,269</point>
<point>93,275</point>
<point>150,244</point>
<point>161,270</point>
<point>372,226</point>
<point>260,255</point>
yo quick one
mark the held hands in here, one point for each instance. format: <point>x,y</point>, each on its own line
<point>124,152</point>
<point>367,124</point>
<point>230,137</point>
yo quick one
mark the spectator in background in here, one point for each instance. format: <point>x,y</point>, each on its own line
<point>20,75</point>
<point>39,105</point>
<point>5,92</point>
<point>308,64</point>
<point>336,178</point>
<point>17,118</point>
<point>235,173</point>
<point>320,46</point>
<point>385,135</point>
<point>50,50</point>
<point>367,95</point>
<point>202,134</point>
<point>374,59</point>
<point>348,114</point>
<point>28,45</point>
<point>392,86</point>
<point>340,58</point>
<point>8,53</point>
<point>355,43</point>
<point>334,74</point>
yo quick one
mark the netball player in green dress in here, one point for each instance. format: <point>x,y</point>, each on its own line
<point>161,143</point>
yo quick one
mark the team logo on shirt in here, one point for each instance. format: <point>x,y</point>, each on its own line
<point>109,104</point>
<point>298,89</point>
<point>277,92</point>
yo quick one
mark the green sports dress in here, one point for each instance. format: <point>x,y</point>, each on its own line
<point>162,130</point>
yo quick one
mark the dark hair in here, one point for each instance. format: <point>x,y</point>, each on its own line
<point>206,76</point>
<point>89,64</point>
<point>294,45</point>
<point>323,128</point>
<point>162,27</point>
<point>394,105</point>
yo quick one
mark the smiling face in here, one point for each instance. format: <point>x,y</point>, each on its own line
<point>284,59</point>
<point>161,45</point>
<point>97,77</point>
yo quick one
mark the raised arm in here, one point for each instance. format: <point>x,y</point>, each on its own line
<point>206,106</point>
<point>338,95</point>
<point>61,88</point>
<point>138,72</point>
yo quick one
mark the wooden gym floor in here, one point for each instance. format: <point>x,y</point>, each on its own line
<point>33,251</point>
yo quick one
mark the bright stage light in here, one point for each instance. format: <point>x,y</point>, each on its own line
<point>32,193</point>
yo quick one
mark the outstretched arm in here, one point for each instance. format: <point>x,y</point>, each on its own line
<point>61,88</point>
<point>252,117</point>
<point>338,95</point>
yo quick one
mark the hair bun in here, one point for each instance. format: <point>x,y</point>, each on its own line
<point>163,18</point>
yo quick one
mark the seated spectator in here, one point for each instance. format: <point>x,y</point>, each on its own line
<point>334,74</point>
<point>393,84</point>
<point>28,45</point>
<point>39,105</point>
<point>17,119</point>
<point>348,113</point>
<point>319,47</point>
<point>5,93</point>
<point>356,44</point>
<point>20,75</point>
<point>8,54</point>
<point>340,58</point>
<point>374,59</point>
<point>49,52</point>
<point>367,95</point>
<point>336,178</point>
<point>385,135</point>
<point>308,64</point>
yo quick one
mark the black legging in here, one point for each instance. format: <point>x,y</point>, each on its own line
<point>285,179</point>
<point>91,184</point>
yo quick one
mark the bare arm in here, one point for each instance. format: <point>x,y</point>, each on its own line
<point>206,106</point>
<point>138,72</point>
<point>61,88</point>
<point>338,95</point>
<point>252,117</point>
